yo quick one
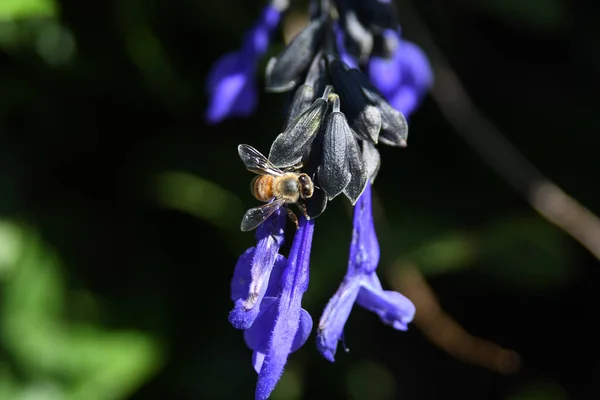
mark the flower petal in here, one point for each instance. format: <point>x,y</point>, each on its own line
<point>264,257</point>
<point>257,336</point>
<point>415,65</point>
<point>404,100</point>
<point>234,95</point>
<point>339,39</point>
<point>404,79</point>
<point>386,73</point>
<point>257,360</point>
<point>294,283</point>
<point>335,315</point>
<point>225,66</point>
<point>256,40</point>
<point>230,83</point>
<point>364,249</point>
<point>304,329</point>
<point>274,287</point>
<point>240,283</point>
<point>393,308</point>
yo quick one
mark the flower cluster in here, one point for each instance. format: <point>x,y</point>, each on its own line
<point>353,79</point>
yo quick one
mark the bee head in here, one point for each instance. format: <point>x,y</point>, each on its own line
<point>306,186</point>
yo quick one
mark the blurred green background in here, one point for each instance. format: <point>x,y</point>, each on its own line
<point>120,209</point>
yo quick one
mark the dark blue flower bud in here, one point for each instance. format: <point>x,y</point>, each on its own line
<point>334,172</point>
<point>358,171</point>
<point>289,147</point>
<point>375,15</point>
<point>306,93</point>
<point>363,117</point>
<point>286,70</point>
<point>394,129</point>
<point>384,45</point>
<point>371,159</point>
<point>358,40</point>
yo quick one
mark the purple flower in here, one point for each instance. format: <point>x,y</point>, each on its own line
<point>405,78</point>
<point>321,64</point>
<point>231,82</point>
<point>276,324</point>
<point>361,285</point>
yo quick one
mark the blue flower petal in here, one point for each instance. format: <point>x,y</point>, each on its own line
<point>257,360</point>
<point>257,336</point>
<point>304,329</point>
<point>256,41</point>
<point>231,82</point>
<point>335,315</point>
<point>361,285</point>
<point>234,95</point>
<point>294,283</point>
<point>229,64</point>
<point>415,65</point>
<point>344,55</point>
<point>404,100</point>
<point>364,248</point>
<point>405,78</point>
<point>264,258</point>
<point>240,283</point>
<point>393,308</point>
<point>274,287</point>
<point>385,73</point>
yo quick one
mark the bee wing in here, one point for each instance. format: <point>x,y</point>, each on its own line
<point>256,162</point>
<point>256,216</point>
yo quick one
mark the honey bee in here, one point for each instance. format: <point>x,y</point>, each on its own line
<point>274,186</point>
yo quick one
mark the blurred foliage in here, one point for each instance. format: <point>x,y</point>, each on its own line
<point>57,357</point>
<point>18,9</point>
<point>540,390</point>
<point>120,209</point>
<point>546,15</point>
<point>369,380</point>
<point>200,198</point>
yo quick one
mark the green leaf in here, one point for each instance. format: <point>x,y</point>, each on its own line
<point>448,252</point>
<point>20,9</point>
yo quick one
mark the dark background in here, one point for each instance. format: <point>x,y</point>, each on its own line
<point>120,209</point>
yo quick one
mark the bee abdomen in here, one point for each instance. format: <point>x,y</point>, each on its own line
<point>262,187</point>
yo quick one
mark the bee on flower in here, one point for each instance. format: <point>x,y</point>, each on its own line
<point>353,79</point>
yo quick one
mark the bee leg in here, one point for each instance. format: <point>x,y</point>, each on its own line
<point>293,217</point>
<point>302,208</point>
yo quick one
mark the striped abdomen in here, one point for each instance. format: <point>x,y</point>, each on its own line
<point>262,187</point>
